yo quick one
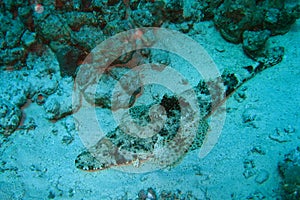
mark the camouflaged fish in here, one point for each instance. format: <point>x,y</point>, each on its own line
<point>128,148</point>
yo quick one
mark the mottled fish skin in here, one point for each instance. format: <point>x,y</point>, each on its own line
<point>105,155</point>
<point>87,162</point>
<point>97,157</point>
<point>162,151</point>
<point>111,152</point>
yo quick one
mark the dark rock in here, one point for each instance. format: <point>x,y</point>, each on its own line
<point>254,47</point>
<point>85,40</point>
<point>174,11</point>
<point>10,117</point>
<point>28,38</point>
<point>255,40</point>
<point>78,19</point>
<point>68,59</point>
<point>289,169</point>
<point>142,18</point>
<point>52,28</point>
<point>25,16</point>
<point>280,20</point>
<point>148,14</point>
<point>234,17</point>
<point>117,26</point>
<point>12,56</point>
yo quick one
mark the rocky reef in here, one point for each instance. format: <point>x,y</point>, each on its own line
<point>73,28</point>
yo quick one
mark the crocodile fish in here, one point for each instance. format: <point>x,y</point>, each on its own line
<point>179,126</point>
<point>118,149</point>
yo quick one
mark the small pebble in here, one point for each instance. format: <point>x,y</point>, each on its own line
<point>67,139</point>
<point>240,96</point>
<point>249,116</point>
<point>262,177</point>
<point>220,49</point>
<point>249,173</point>
<point>259,150</point>
<point>54,130</point>
<point>289,129</point>
<point>51,195</point>
<point>249,167</point>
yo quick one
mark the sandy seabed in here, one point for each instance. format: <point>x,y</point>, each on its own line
<point>39,163</point>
